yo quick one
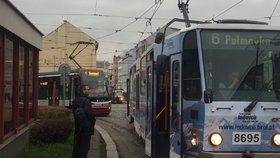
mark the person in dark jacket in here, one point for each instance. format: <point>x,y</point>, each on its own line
<point>84,124</point>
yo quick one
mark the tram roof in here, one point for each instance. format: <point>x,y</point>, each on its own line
<point>55,73</point>
<point>72,72</point>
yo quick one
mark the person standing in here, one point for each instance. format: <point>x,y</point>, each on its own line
<point>84,124</point>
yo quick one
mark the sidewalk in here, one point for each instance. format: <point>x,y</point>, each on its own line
<point>96,147</point>
<point>94,151</point>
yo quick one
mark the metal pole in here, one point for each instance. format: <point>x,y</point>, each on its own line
<point>184,9</point>
<point>64,86</point>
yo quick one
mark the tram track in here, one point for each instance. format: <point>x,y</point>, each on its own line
<point>117,126</point>
<point>121,130</point>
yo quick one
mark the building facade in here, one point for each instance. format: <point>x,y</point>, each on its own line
<point>64,43</point>
<point>20,42</point>
<point>115,72</point>
<point>144,44</point>
<point>125,62</point>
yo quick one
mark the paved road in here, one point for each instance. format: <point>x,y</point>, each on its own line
<point>122,133</point>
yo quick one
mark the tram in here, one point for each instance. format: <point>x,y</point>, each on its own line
<point>209,91</point>
<point>51,89</point>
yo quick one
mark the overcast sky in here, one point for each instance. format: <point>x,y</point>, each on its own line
<point>49,14</point>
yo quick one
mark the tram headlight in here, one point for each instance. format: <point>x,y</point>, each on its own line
<point>215,139</point>
<point>276,139</point>
<point>194,141</point>
<point>121,98</point>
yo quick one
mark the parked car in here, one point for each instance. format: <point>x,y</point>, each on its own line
<point>119,97</point>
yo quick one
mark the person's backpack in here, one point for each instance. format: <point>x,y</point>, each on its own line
<point>82,119</point>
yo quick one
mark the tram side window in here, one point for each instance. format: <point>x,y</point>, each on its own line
<point>191,72</point>
<point>143,76</point>
<point>133,83</point>
<point>175,95</point>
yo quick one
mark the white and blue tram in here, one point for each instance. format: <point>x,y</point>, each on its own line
<point>212,90</point>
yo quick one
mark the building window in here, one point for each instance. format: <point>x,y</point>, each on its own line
<point>8,82</point>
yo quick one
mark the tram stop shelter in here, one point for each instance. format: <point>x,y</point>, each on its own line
<point>20,43</point>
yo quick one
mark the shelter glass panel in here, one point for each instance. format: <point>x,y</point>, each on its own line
<point>8,82</point>
<point>21,86</point>
<point>30,103</point>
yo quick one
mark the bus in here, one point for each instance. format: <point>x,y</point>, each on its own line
<point>209,91</point>
<point>51,89</point>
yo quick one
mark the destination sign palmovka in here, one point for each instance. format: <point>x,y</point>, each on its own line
<point>229,39</point>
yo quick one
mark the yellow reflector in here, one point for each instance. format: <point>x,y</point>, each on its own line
<point>43,83</point>
<point>95,74</point>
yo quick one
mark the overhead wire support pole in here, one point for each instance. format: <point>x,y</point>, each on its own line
<point>184,7</point>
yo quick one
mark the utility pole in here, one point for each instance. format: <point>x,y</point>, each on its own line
<point>54,63</point>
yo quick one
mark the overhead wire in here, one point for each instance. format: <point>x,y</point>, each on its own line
<point>117,51</point>
<point>89,28</point>
<point>142,33</point>
<point>95,6</point>
<point>124,27</point>
<point>128,43</point>
<point>271,15</point>
<point>274,8</point>
<point>223,12</point>
<point>95,14</point>
<point>149,22</point>
<point>136,19</point>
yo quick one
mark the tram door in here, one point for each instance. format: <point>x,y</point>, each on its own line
<point>148,119</point>
<point>160,109</point>
<point>175,107</point>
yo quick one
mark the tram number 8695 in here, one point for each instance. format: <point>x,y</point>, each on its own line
<point>246,138</point>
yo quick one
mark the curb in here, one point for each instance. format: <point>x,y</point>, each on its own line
<point>110,144</point>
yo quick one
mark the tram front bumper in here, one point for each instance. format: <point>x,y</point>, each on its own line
<point>239,155</point>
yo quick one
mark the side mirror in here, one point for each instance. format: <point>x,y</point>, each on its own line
<point>159,37</point>
<point>208,96</point>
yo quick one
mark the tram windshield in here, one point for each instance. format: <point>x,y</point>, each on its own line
<point>242,65</point>
<point>97,82</point>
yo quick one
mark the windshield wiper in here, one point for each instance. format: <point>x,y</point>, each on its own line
<point>251,106</point>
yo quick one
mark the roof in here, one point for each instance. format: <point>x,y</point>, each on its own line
<point>34,27</point>
<point>66,22</point>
